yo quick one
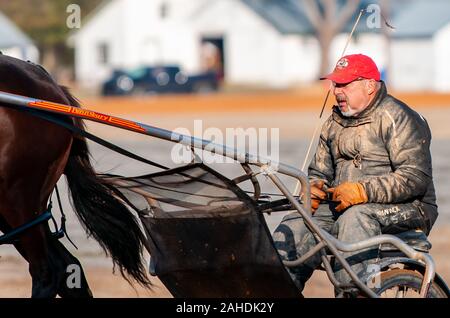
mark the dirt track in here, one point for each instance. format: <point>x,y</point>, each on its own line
<point>305,100</point>
<point>294,114</point>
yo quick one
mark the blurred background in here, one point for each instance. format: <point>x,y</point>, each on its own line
<point>230,63</point>
<point>274,44</point>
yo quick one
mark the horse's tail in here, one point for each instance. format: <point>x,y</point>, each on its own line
<point>103,216</point>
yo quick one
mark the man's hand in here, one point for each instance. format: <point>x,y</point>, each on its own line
<point>317,194</point>
<point>348,193</point>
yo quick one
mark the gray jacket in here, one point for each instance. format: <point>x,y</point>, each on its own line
<point>386,148</point>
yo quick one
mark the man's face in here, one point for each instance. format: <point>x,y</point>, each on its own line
<point>352,98</point>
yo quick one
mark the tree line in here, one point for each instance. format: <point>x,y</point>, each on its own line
<point>44,21</point>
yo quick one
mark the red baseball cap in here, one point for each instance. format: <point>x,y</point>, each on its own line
<point>352,67</point>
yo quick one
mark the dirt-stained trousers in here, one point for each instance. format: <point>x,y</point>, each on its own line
<point>293,239</point>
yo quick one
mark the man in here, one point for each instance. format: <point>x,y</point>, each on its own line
<point>374,158</point>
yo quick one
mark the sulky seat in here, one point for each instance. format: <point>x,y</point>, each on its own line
<point>414,238</point>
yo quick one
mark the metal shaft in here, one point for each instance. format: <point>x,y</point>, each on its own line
<point>24,103</point>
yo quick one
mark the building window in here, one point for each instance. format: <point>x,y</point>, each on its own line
<point>103,53</point>
<point>164,10</point>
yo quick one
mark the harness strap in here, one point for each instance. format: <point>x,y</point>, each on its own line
<point>62,231</point>
<point>12,235</point>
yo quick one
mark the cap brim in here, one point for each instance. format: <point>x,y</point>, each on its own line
<point>340,78</point>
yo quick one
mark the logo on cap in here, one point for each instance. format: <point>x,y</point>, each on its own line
<point>342,63</point>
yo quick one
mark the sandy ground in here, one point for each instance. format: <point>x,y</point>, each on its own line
<point>311,99</point>
<point>295,115</point>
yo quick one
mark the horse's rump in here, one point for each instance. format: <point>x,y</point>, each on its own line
<point>34,153</point>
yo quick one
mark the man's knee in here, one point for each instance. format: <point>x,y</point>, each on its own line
<point>289,236</point>
<point>356,219</point>
<point>354,214</point>
<point>291,224</point>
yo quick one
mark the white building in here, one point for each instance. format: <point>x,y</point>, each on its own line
<point>15,43</point>
<point>420,48</point>
<point>256,47</point>
<point>129,33</point>
<point>268,42</point>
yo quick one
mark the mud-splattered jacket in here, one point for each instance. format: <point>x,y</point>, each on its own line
<point>386,148</point>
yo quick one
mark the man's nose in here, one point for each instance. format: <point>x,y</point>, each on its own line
<point>336,91</point>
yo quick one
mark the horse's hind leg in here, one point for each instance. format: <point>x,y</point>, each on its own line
<point>4,227</point>
<point>65,276</point>
<point>30,246</point>
<point>71,280</point>
<point>43,278</point>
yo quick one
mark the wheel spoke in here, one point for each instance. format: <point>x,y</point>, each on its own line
<point>396,290</point>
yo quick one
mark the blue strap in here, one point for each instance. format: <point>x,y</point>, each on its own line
<point>12,235</point>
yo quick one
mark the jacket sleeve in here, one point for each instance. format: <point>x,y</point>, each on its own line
<point>407,138</point>
<point>321,166</point>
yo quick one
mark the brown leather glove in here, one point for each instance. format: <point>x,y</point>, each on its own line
<point>348,193</point>
<point>317,194</point>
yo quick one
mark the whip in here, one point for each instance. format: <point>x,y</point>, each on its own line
<point>297,186</point>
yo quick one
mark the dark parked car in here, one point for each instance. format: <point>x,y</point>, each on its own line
<point>159,80</point>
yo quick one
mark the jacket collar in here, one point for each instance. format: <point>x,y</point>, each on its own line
<point>366,114</point>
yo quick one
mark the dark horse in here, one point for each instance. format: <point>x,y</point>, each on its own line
<point>34,153</point>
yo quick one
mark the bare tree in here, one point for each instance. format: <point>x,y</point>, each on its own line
<point>328,22</point>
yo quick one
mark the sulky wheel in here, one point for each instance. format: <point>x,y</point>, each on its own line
<point>405,283</point>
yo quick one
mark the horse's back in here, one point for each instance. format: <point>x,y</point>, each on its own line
<point>26,78</point>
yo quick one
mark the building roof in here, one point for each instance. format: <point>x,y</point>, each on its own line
<point>287,16</point>
<point>11,35</point>
<point>422,19</point>
<point>411,18</point>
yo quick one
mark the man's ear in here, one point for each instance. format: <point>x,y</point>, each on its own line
<point>371,87</point>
